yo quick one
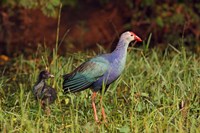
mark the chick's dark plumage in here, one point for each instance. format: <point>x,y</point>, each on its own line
<point>46,94</point>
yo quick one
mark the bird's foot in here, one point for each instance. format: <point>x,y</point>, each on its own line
<point>105,121</point>
<point>98,122</point>
<point>102,122</point>
<point>48,111</point>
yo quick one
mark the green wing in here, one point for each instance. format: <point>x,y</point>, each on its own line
<point>86,74</point>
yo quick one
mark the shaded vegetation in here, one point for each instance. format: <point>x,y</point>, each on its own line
<point>168,21</point>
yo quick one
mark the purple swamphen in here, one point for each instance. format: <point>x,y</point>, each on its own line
<point>102,69</point>
<point>42,92</point>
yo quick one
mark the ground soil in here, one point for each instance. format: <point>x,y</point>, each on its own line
<point>22,30</point>
<point>91,24</point>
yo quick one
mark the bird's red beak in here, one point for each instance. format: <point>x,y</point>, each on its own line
<point>137,38</point>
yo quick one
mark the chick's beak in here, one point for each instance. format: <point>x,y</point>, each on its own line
<point>51,76</point>
<point>138,39</point>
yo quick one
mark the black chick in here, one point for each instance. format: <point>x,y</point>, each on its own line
<point>42,92</point>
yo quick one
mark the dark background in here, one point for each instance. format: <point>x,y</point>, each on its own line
<point>25,24</point>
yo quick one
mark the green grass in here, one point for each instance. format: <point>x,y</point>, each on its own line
<point>157,92</point>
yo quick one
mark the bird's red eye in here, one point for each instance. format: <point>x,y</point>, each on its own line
<point>132,34</point>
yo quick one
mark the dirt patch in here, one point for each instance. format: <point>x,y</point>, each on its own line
<point>24,29</point>
<point>21,30</point>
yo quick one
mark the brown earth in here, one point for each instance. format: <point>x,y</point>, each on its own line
<point>24,29</point>
<point>21,30</point>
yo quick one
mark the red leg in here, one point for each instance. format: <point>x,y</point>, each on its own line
<point>42,103</point>
<point>102,110</point>
<point>48,111</point>
<point>94,107</point>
